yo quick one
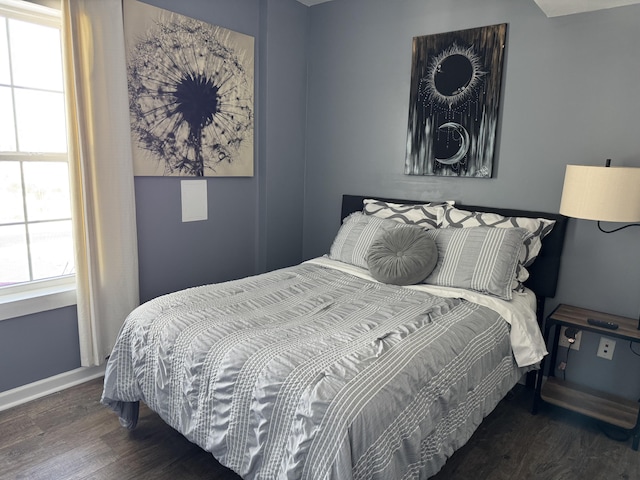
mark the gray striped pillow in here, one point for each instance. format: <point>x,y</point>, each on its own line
<point>483,259</point>
<point>537,229</point>
<point>357,233</point>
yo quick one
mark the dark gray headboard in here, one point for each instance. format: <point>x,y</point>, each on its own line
<point>543,278</point>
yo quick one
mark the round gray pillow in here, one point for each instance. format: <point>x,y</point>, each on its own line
<point>402,256</point>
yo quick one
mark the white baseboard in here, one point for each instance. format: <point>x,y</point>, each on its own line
<point>47,386</point>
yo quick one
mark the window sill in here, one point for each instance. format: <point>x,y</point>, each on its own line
<point>41,300</point>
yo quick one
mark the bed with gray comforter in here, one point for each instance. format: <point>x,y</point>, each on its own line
<point>313,373</point>
<point>318,371</point>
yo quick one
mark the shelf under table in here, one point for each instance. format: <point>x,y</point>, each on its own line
<point>593,403</point>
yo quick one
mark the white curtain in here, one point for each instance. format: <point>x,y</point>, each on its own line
<point>101,172</point>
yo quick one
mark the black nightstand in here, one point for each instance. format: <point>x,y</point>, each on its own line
<point>611,409</point>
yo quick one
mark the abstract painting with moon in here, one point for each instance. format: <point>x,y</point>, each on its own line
<point>453,106</point>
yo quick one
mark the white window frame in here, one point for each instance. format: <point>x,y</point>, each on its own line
<point>48,294</point>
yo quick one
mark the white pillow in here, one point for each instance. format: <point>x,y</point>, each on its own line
<point>426,215</point>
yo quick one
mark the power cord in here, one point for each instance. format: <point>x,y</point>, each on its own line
<point>570,333</point>
<point>566,362</point>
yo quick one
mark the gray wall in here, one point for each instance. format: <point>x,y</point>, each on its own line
<point>254,223</point>
<point>570,95</point>
<point>175,255</point>
<point>33,347</point>
<point>284,54</point>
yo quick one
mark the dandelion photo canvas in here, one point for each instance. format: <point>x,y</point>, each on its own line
<point>191,90</point>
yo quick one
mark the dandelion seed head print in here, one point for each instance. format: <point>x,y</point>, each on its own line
<point>191,98</point>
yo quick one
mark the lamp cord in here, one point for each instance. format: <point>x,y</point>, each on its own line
<point>617,229</point>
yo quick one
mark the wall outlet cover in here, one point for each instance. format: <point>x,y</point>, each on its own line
<point>606,348</point>
<point>563,342</point>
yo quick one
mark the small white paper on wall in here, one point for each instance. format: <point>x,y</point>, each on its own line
<point>194,200</point>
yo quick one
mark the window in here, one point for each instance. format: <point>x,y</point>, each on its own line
<point>36,245</point>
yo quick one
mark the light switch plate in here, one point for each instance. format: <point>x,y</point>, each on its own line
<point>193,196</point>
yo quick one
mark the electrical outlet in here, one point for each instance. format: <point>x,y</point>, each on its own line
<point>564,341</point>
<point>606,348</point>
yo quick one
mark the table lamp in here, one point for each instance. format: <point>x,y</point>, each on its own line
<point>604,194</point>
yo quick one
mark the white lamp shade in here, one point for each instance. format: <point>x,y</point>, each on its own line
<point>610,194</point>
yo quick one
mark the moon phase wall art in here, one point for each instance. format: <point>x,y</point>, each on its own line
<point>453,107</point>
<point>191,90</point>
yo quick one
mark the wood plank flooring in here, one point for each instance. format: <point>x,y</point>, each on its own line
<point>69,435</point>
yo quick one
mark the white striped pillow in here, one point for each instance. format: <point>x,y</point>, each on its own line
<point>538,228</point>
<point>357,233</point>
<point>483,259</point>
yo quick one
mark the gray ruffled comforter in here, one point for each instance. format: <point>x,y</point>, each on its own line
<point>312,373</point>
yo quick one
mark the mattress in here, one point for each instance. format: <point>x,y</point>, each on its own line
<point>317,372</point>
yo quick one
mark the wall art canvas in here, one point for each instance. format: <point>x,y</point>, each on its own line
<point>454,99</point>
<point>191,91</point>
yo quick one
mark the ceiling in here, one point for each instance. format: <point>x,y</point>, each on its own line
<point>555,8</point>
<point>551,8</point>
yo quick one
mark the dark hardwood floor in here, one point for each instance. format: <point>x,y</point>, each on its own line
<point>69,435</point>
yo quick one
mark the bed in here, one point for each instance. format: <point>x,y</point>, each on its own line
<point>320,371</point>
